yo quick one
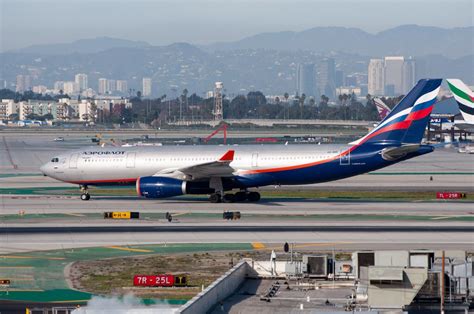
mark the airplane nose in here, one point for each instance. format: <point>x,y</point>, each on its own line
<point>44,170</point>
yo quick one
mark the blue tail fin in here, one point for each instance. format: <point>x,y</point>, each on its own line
<point>406,123</point>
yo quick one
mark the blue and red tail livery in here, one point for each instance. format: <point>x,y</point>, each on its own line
<point>406,123</point>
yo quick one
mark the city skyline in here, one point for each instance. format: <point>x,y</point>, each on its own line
<point>142,20</point>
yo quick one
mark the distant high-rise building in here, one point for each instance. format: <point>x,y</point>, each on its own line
<point>146,87</point>
<point>305,83</point>
<point>58,86</point>
<point>111,86</point>
<point>103,86</point>
<point>339,79</point>
<point>376,80</point>
<point>23,83</point>
<point>408,75</point>
<point>81,81</point>
<point>40,89</point>
<point>122,86</point>
<point>70,88</point>
<point>394,74</point>
<point>325,77</point>
<point>351,80</point>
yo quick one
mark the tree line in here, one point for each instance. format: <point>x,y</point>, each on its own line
<point>253,105</point>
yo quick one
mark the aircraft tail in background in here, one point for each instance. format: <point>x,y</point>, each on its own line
<point>382,108</point>
<point>464,97</point>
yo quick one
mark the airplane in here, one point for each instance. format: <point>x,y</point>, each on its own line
<point>464,96</point>
<point>167,171</point>
<point>382,108</point>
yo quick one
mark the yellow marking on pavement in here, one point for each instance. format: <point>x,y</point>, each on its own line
<point>179,214</point>
<point>32,257</point>
<point>258,245</point>
<point>75,215</point>
<point>128,249</point>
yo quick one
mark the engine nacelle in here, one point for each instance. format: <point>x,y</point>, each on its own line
<point>160,187</point>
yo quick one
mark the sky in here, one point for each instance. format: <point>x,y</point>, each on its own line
<point>160,22</point>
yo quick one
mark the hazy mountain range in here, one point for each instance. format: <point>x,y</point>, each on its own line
<point>91,45</point>
<point>408,40</point>
<point>266,62</point>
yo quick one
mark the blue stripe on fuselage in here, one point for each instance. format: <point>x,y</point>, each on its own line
<point>362,160</point>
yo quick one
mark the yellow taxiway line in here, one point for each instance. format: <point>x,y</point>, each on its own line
<point>128,249</point>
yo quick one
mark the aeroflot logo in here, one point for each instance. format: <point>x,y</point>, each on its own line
<point>104,153</point>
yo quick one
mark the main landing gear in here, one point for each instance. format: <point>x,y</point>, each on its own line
<point>85,196</point>
<point>238,197</point>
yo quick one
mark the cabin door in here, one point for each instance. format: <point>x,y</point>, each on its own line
<point>73,161</point>
<point>255,160</point>
<point>131,160</point>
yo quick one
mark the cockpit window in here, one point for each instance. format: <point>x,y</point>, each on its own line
<point>55,159</point>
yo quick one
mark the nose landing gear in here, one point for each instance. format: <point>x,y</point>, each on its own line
<point>85,196</point>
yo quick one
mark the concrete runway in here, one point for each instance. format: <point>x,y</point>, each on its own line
<point>12,204</point>
<point>311,240</point>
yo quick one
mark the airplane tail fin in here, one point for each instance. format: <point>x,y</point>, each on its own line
<point>382,108</point>
<point>406,123</point>
<point>464,97</point>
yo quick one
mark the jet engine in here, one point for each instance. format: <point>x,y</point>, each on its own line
<point>162,187</point>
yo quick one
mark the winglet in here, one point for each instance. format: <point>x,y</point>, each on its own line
<point>228,156</point>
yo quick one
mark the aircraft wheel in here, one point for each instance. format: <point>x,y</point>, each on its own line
<point>215,198</point>
<point>253,196</point>
<point>240,196</point>
<point>85,197</point>
<point>228,198</point>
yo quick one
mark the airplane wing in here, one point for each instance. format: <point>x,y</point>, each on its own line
<point>218,168</point>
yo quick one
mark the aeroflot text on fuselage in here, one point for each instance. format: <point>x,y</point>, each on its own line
<point>104,153</point>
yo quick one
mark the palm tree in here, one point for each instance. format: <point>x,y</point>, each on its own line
<point>286,95</point>
<point>184,99</point>
<point>302,99</point>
